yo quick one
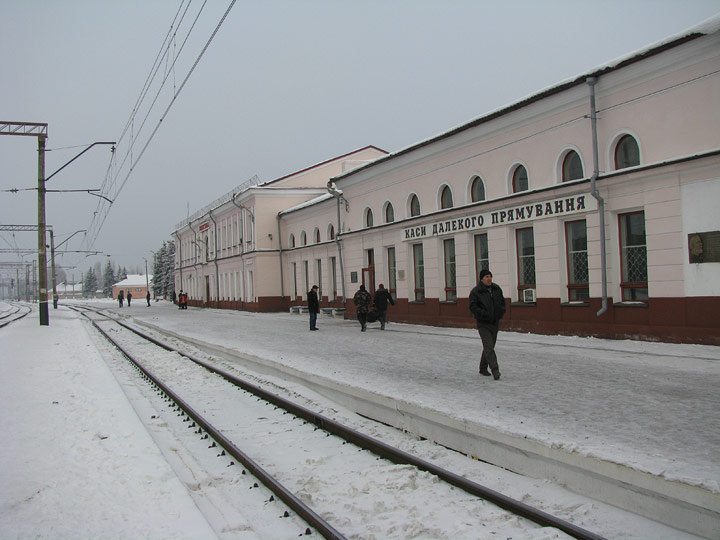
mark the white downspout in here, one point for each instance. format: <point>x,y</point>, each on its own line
<point>338,195</point>
<point>592,81</point>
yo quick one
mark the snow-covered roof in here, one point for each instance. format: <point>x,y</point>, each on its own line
<point>311,202</point>
<point>709,26</point>
<point>134,280</point>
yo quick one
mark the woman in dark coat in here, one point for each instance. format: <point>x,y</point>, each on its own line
<point>362,301</point>
<point>487,305</point>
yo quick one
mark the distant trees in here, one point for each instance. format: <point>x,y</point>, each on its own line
<point>90,285</point>
<point>163,281</point>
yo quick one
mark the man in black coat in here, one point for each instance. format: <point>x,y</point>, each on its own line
<point>487,305</point>
<point>313,306</point>
<point>381,300</point>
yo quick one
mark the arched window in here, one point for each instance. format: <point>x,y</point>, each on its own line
<point>446,198</point>
<point>316,235</point>
<point>627,152</point>
<point>292,241</point>
<point>331,232</point>
<point>414,206</point>
<point>368,218</point>
<point>303,238</point>
<point>520,179</point>
<point>477,189</point>
<point>572,168</point>
<point>389,213</point>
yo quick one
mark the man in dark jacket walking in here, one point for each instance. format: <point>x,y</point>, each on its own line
<point>382,297</point>
<point>487,305</point>
<point>313,306</point>
<point>362,301</point>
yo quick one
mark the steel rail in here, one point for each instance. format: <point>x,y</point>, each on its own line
<point>294,503</point>
<point>384,450</point>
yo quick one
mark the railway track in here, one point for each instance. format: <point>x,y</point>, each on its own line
<point>321,469</point>
<point>13,313</point>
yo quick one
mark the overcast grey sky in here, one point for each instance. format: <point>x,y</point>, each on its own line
<point>284,85</point>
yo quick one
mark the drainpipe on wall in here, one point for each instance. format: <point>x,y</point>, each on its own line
<point>592,81</point>
<point>334,191</point>
<point>215,256</point>
<point>282,276</point>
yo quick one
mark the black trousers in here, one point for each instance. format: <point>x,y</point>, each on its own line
<point>488,334</point>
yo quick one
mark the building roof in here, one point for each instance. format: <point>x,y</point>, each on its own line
<point>709,26</point>
<point>134,280</point>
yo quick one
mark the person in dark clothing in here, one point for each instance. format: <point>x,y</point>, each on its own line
<point>121,298</point>
<point>129,297</point>
<point>382,297</point>
<point>313,306</point>
<point>147,297</point>
<point>362,301</point>
<point>487,305</point>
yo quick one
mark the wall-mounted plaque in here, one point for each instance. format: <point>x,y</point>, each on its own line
<point>704,247</point>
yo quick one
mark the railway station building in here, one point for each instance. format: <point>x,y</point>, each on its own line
<point>593,202</point>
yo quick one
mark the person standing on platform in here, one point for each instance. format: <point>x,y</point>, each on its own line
<point>381,300</point>
<point>121,298</point>
<point>313,306</point>
<point>362,301</point>
<point>147,297</point>
<point>487,305</point>
<point>129,297</point>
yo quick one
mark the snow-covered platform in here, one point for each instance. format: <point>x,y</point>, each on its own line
<point>630,423</point>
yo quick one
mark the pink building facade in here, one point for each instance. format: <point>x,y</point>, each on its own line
<point>593,203</point>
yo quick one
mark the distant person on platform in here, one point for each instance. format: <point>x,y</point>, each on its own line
<point>129,297</point>
<point>487,305</point>
<point>362,301</point>
<point>313,306</point>
<point>147,297</point>
<point>121,298</point>
<point>381,300</point>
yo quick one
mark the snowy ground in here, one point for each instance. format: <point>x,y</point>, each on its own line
<point>646,405</point>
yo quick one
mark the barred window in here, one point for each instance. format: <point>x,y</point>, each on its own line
<point>577,260</point>
<point>633,256</point>
<point>525,259</point>
<point>419,271</point>
<point>482,258</point>
<point>450,270</point>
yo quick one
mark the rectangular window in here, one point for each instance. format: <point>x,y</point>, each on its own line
<point>450,272</point>
<point>525,260</point>
<point>333,278</point>
<point>419,272</point>
<point>633,256</point>
<point>577,260</point>
<point>318,265</point>
<point>392,272</point>
<point>482,258</point>
<point>306,267</point>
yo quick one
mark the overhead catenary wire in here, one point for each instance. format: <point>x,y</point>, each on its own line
<point>103,208</point>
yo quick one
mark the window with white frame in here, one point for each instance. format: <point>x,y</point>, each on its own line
<point>392,272</point>
<point>414,205</point>
<point>389,213</point>
<point>368,218</point>
<point>477,189</point>
<point>520,180</point>
<point>572,168</point>
<point>446,198</point>
<point>627,152</point>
